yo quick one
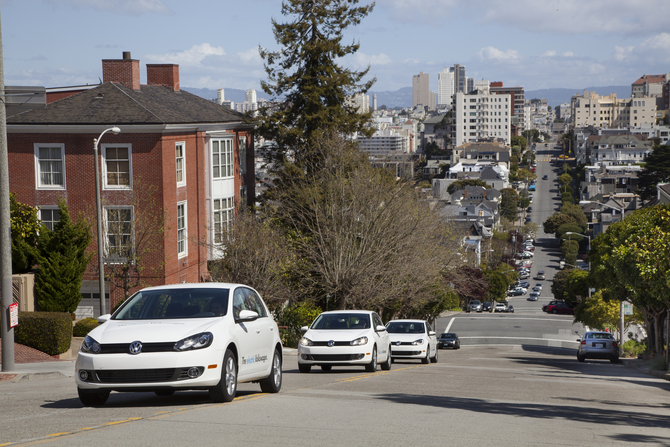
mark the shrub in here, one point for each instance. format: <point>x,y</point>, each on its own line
<point>83,327</point>
<point>632,348</point>
<point>294,316</point>
<point>49,332</point>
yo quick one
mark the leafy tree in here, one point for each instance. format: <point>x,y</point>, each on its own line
<point>61,255</point>
<point>25,226</point>
<point>498,283</point>
<point>577,287</point>
<point>575,211</point>
<point>459,185</point>
<point>556,220</point>
<point>312,90</point>
<point>518,141</point>
<point>509,204</point>
<point>598,313</point>
<point>569,247</point>
<point>468,282</point>
<point>656,170</point>
<point>567,227</point>
<point>531,134</point>
<point>559,285</point>
<point>565,179</point>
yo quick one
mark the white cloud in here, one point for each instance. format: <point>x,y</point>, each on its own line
<point>492,53</point>
<point>129,7</point>
<point>569,54</point>
<point>659,42</point>
<point>251,56</point>
<point>596,68</point>
<point>360,60</point>
<point>621,53</point>
<point>191,57</point>
<point>549,53</point>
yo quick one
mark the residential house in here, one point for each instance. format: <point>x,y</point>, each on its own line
<point>181,159</point>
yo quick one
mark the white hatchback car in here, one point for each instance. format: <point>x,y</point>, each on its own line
<point>345,338</point>
<point>412,339</point>
<point>208,336</point>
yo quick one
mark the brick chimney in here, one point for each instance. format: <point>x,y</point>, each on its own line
<point>125,71</point>
<point>163,74</point>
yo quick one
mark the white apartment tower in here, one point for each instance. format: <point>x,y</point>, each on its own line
<point>450,81</point>
<point>591,109</point>
<point>250,96</point>
<point>481,116</point>
<point>374,102</point>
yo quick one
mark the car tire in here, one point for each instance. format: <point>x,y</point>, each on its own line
<point>554,311</point>
<point>272,383</point>
<point>225,390</point>
<point>434,358</point>
<point>164,392</point>
<point>304,368</point>
<point>426,359</point>
<point>386,366</point>
<point>372,366</point>
<point>326,368</point>
<point>580,358</point>
<point>93,398</point>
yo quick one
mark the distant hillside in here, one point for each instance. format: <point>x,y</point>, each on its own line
<point>557,96</point>
<point>399,98</point>
<point>230,94</point>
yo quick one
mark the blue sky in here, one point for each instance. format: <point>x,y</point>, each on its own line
<point>532,43</point>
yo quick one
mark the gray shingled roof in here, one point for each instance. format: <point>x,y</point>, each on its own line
<point>118,104</point>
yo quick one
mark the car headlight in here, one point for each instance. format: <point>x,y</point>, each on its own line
<point>197,341</point>
<point>91,346</point>
<point>359,341</point>
<point>418,342</point>
<point>304,341</point>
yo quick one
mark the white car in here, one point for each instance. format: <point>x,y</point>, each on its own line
<point>412,339</point>
<point>207,336</point>
<point>345,338</point>
<point>500,307</point>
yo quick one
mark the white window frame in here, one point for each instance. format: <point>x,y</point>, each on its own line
<point>224,209</point>
<point>177,146</point>
<point>107,209</point>
<point>182,231</point>
<point>226,164</point>
<point>49,208</point>
<point>38,170</point>
<point>105,185</point>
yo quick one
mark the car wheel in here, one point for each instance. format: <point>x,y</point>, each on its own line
<point>326,367</point>
<point>225,390</point>
<point>386,366</point>
<point>580,358</point>
<point>426,359</point>
<point>164,392</point>
<point>272,383</point>
<point>304,368</point>
<point>93,398</point>
<point>372,366</point>
<point>434,359</point>
<point>554,311</point>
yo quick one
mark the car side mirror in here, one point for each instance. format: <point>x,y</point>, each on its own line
<point>380,328</point>
<point>247,315</point>
<point>431,333</point>
<point>304,329</point>
<point>104,318</point>
<point>579,340</point>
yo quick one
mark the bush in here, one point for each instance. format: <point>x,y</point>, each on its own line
<point>49,332</point>
<point>83,327</point>
<point>632,348</point>
<point>293,317</point>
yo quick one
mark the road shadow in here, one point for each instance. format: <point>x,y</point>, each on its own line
<point>638,438</point>
<point>581,414</point>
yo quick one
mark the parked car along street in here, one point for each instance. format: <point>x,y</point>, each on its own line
<point>598,345</point>
<point>448,340</point>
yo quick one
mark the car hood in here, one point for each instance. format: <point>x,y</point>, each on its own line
<point>336,334</point>
<point>150,331</point>
<point>406,337</point>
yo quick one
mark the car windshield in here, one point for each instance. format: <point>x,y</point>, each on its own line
<point>174,304</point>
<point>342,321</point>
<point>448,335</point>
<point>475,302</point>
<point>405,327</point>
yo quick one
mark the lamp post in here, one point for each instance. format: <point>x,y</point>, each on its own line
<point>621,319</point>
<point>98,209</point>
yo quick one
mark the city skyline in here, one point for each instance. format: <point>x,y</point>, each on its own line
<point>533,44</point>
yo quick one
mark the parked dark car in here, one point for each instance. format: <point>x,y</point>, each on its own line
<point>546,177</point>
<point>510,309</point>
<point>486,307</point>
<point>561,308</point>
<point>515,292</point>
<point>448,340</point>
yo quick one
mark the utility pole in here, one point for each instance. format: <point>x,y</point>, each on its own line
<point>5,231</point>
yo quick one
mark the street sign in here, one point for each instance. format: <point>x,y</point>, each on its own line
<point>627,308</point>
<point>13,315</point>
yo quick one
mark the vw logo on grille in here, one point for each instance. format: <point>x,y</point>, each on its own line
<point>331,343</point>
<point>135,347</point>
<point>398,343</point>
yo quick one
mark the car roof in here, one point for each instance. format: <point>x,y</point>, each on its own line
<point>407,321</point>
<point>348,312</point>
<point>197,285</point>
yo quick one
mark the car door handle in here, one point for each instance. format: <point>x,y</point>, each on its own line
<point>258,331</point>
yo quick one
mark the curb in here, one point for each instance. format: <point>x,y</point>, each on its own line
<point>31,377</point>
<point>652,372</point>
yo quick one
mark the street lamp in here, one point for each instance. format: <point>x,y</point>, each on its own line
<point>98,209</point>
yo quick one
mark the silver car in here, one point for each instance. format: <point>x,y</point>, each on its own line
<point>598,345</point>
<point>475,306</point>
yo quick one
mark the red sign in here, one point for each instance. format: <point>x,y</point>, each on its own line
<point>13,315</point>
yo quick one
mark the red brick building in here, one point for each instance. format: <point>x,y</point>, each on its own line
<point>180,163</point>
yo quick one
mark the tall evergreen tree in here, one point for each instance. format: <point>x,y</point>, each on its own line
<point>656,170</point>
<point>311,93</point>
<point>62,259</point>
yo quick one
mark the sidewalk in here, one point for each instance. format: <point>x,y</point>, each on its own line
<point>643,365</point>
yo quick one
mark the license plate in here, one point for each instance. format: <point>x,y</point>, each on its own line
<point>599,345</point>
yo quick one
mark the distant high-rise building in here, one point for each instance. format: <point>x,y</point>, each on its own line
<point>420,90</point>
<point>361,102</point>
<point>250,96</point>
<point>517,115</point>
<point>481,116</point>
<point>450,81</point>
<point>460,80</point>
<point>374,102</point>
<point>481,86</point>
<point>220,96</point>
<point>470,82</point>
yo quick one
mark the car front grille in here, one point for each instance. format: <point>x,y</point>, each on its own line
<point>124,348</point>
<point>334,357</point>
<point>404,353</point>
<point>142,375</point>
<point>336,343</point>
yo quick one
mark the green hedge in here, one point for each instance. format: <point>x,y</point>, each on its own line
<point>83,327</point>
<point>49,332</point>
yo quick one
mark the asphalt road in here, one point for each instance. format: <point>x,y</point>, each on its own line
<point>499,396</point>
